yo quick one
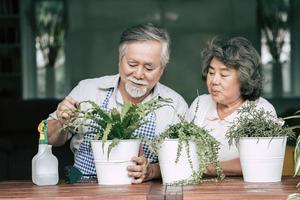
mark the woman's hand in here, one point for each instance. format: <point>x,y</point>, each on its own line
<point>229,167</point>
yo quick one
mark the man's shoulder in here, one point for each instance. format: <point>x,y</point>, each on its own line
<point>166,92</point>
<point>100,82</point>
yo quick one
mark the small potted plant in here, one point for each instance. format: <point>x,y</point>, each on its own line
<point>297,147</point>
<point>114,143</point>
<point>184,152</point>
<point>295,196</point>
<point>261,140</point>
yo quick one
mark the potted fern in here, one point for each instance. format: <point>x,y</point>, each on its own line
<point>184,152</point>
<point>114,143</point>
<point>261,140</point>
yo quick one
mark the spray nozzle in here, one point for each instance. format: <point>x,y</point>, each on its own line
<point>42,128</point>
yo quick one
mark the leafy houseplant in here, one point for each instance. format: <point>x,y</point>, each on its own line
<point>112,125</point>
<point>192,142</point>
<point>113,146</point>
<point>256,132</point>
<point>253,122</point>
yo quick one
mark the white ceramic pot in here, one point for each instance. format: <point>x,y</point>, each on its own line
<point>113,171</point>
<point>262,158</point>
<point>124,151</point>
<point>172,171</point>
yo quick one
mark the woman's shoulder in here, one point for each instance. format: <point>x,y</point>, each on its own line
<point>199,107</point>
<point>202,100</point>
<point>265,104</point>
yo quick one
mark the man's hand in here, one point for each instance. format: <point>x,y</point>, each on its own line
<point>65,109</point>
<point>143,171</point>
<point>139,171</point>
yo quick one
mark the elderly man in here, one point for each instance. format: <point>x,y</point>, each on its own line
<point>143,55</point>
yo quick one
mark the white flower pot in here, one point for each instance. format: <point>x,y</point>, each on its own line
<point>262,158</point>
<point>113,170</point>
<point>172,171</point>
<point>124,151</point>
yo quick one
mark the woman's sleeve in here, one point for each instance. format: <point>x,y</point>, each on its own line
<point>266,105</point>
<point>191,112</point>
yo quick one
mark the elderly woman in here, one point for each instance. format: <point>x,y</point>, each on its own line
<point>231,72</point>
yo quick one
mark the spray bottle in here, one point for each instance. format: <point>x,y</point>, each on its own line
<point>44,163</point>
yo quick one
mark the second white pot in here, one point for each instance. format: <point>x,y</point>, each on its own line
<point>181,170</point>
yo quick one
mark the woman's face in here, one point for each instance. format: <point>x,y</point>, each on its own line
<point>223,83</point>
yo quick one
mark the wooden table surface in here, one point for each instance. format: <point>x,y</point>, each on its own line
<point>230,188</point>
<point>236,188</point>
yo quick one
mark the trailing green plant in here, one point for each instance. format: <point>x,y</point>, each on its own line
<point>207,148</point>
<point>254,122</point>
<point>112,125</point>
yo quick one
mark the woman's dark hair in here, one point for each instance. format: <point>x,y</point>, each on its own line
<point>237,53</point>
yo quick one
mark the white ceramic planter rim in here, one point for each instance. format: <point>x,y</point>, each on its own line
<point>258,138</point>
<point>171,139</point>
<point>109,162</point>
<point>123,151</point>
<point>263,138</point>
<point>127,140</point>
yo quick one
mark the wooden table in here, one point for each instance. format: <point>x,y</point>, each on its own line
<point>236,188</point>
<point>230,188</point>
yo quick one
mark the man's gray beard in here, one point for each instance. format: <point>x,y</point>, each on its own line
<point>135,92</point>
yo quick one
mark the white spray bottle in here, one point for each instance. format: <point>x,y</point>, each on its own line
<point>44,163</point>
